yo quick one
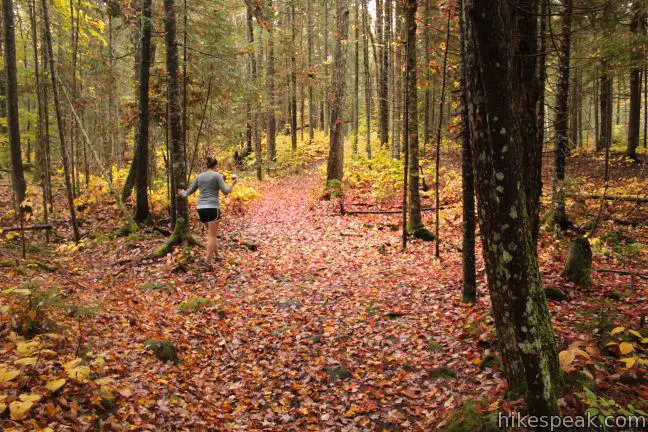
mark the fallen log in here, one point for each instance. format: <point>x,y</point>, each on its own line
<point>607,197</point>
<point>356,212</point>
<point>621,272</point>
<point>27,228</point>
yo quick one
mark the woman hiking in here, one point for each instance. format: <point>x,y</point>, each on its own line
<point>210,183</point>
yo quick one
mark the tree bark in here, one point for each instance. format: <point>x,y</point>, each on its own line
<point>561,122</point>
<point>176,148</point>
<point>356,77</point>
<point>524,331</point>
<point>335,168</point>
<point>469,293</point>
<point>271,150</point>
<point>384,74</point>
<point>367,76</point>
<point>637,26</point>
<point>415,219</point>
<point>293,80</point>
<point>142,152</point>
<point>13,122</point>
<point>312,114</point>
<point>605,136</point>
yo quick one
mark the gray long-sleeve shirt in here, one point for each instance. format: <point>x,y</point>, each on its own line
<point>210,183</point>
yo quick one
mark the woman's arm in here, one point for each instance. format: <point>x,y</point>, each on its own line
<point>223,187</point>
<point>185,193</point>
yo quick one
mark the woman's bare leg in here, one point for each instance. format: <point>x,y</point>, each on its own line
<point>212,241</point>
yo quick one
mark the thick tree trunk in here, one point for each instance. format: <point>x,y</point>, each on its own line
<point>636,27</point>
<point>324,106</point>
<point>415,219</point>
<point>176,147</point>
<point>524,331</point>
<point>17,176</point>
<point>561,122</point>
<point>335,168</point>
<point>142,152</point>
<point>256,134</point>
<point>469,292</point>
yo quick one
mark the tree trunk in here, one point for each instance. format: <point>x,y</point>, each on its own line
<point>59,122</point>
<point>636,27</point>
<point>561,122</point>
<point>335,168</point>
<point>605,136</point>
<point>17,176</point>
<point>469,294</point>
<point>312,114</point>
<point>356,77</point>
<point>524,331</point>
<point>427,125</point>
<point>384,75</point>
<point>176,149</point>
<point>415,219</point>
<point>398,89</point>
<point>293,80</point>
<point>367,76</point>
<point>324,107</point>
<point>142,152</point>
<point>254,75</point>
<point>271,150</point>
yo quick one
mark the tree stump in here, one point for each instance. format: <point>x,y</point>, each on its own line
<point>578,268</point>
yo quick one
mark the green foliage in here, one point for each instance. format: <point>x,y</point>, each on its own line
<point>30,306</point>
<point>382,174</point>
<point>194,304</point>
<point>600,406</point>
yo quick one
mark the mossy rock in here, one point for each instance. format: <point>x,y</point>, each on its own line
<point>337,372</point>
<point>442,372</point>
<point>433,345</point>
<point>616,295</point>
<point>491,361</point>
<point>7,263</point>
<point>152,286</point>
<point>555,294</point>
<point>164,350</point>
<point>468,420</point>
<point>125,230</point>
<point>194,304</point>
<point>423,234</point>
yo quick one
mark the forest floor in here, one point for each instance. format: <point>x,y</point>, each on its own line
<point>327,325</point>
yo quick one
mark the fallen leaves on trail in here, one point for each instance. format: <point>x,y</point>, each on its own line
<point>313,329</point>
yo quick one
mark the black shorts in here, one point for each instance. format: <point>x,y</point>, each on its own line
<point>207,215</point>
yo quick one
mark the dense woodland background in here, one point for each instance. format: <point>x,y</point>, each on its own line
<point>442,213</point>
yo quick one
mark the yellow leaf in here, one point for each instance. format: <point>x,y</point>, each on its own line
<point>79,373</point>
<point>566,358</point>
<point>629,361</point>
<point>8,374</point>
<point>3,407</point>
<point>27,361</point>
<point>636,333</point>
<point>617,330</point>
<point>644,340</point>
<point>18,409</point>
<point>55,384</point>
<point>105,380</point>
<point>30,397</point>
<point>27,349</point>
<point>72,364</point>
<point>626,347</point>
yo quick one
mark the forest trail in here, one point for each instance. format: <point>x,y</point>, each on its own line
<point>321,291</point>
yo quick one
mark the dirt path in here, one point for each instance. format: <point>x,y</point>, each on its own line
<point>326,326</point>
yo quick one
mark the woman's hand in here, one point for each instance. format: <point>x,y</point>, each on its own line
<point>234,179</point>
<point>180,192</point>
